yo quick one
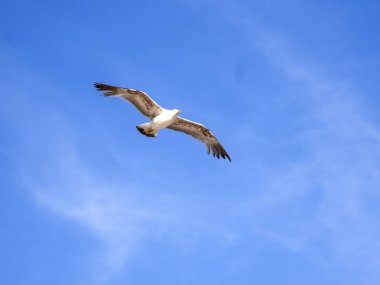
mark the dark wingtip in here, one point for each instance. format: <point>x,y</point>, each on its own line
<point>98,86</point>
<point>226,155</point>
<point>218,151</point>
<point>112,90</point>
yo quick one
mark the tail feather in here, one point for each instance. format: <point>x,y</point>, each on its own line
<point>111,90</point>
<point>147,130</point>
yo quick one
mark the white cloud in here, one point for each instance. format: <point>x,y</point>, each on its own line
<point>338,178</point>
<point>122,216</point>
<point>121,213</point>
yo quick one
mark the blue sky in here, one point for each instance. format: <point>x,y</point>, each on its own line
<point>289,87</point>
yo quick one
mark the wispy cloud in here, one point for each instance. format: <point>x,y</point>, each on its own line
<point>123,217</point>
<point>338,177</point>
<point>322,203</point>
<point>119,211</point>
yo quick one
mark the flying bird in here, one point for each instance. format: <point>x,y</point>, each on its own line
<point>161,118</point>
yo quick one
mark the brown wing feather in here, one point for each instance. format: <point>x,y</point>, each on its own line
<point>139,99</point>
<point>201,133</point>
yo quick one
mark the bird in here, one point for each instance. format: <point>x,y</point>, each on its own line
<point>161,118</point>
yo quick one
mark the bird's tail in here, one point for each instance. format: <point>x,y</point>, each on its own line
<point>147,130</point>
<point>111,90</point>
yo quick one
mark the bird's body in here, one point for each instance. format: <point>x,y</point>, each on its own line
<point>165,119</point>
<point>161,118</point>
<point>161,121</point>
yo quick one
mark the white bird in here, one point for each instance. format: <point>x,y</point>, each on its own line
<point>161,118</point>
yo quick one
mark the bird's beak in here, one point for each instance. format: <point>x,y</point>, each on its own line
<point>179,111</point>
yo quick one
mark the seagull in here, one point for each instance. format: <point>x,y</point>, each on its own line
<point>161,118</point>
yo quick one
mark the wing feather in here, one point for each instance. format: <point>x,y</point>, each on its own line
<point>139,99</point>
<point>201,133</point>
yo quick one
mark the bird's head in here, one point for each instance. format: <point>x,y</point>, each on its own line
<point>177,111</point>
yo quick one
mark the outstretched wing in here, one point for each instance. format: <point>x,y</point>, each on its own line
<point>201,133</point>
<point>139,99</point>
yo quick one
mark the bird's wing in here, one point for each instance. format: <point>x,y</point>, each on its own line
<point>201,133</point>
<point>139,99</point>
